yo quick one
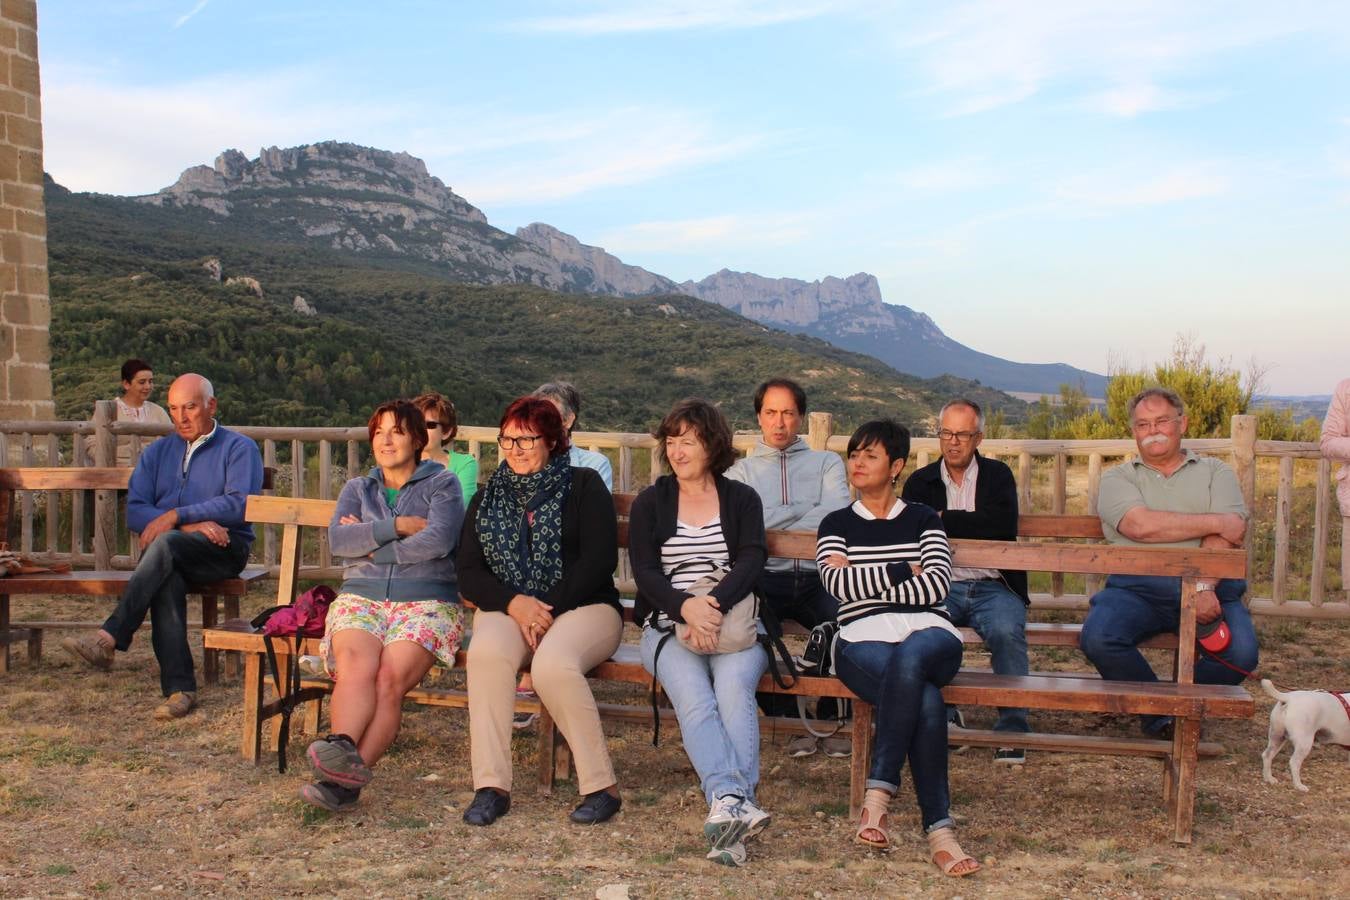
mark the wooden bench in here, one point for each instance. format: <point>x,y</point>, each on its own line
<point>106,583</point>
<point>1190,704</point>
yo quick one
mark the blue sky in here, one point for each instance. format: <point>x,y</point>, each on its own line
<point>1054,181</point>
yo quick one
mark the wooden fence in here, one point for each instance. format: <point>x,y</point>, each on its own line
<point>1292,572</point>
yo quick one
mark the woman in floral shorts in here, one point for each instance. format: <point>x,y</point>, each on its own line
<point>398,610</point>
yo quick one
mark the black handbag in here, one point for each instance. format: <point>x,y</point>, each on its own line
<point>817,661</point>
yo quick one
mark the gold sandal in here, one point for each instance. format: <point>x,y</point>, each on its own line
<point>948,856</point>
<point>876,818</point>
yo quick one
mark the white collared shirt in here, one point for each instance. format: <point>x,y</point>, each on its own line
<point>962,496</point>
<point>192,447</point>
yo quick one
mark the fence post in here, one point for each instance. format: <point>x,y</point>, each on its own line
<point>1244,463</point>
<point>820,425</point>
<point>105,502</point>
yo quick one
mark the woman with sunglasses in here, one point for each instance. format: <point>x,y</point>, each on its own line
<point>442,426</point>
<point>537,558</point>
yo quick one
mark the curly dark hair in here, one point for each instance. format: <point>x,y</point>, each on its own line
<point>710,426</point>
<point>540,416</point>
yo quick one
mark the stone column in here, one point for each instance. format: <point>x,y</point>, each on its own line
<point>25,308</point>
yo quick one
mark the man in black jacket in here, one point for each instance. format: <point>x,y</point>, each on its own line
<point>977,498</point>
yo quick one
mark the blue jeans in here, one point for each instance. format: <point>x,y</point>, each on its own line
<point>904,683</point>
<point>714,700</point>
<point>159,585</point>
<point>1134,607</point>
<point>999,617</point>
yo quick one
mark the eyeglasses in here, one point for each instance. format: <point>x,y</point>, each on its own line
<point>1164,424</point>
<point>524,442</point>
<point>432,426</point>
<point>947,434</point>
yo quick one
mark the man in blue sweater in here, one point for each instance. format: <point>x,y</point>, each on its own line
<point>186,498</point>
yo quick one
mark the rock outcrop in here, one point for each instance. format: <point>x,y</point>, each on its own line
<point>591,268</point>
<point>303,306</point>
<point>253,286</point>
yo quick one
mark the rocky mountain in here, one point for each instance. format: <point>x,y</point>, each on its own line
<point>387,208</point>
<point>849,313</point>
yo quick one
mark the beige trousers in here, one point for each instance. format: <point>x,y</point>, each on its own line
<point>1345,555</point>
<point>579,640</point>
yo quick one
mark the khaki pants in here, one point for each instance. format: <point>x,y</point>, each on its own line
<point>1345,555</point>
<point>579,640</point>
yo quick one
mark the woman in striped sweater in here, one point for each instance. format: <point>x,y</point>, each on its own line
<point>889,565</point>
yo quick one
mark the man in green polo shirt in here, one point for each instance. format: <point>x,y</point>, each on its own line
<point>1167,497</point>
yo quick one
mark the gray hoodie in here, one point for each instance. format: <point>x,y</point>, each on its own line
<point>798,487</point>
<point>380,564</point>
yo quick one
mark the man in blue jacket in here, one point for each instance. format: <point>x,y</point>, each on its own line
<point>977,498</point>
<point>186,498</point>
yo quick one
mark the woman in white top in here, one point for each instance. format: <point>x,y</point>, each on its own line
<point>889,565</point>
<point>135,405</point>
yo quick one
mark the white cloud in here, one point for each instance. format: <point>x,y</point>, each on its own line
<point>619,17</point>
<point>1117,189</point>
<point>183,19</point>
<point>714,233</point>
<point>983,54</point>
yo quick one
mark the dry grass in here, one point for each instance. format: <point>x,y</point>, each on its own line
<point>98,798</point>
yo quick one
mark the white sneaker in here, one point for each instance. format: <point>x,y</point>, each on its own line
<point>724,825</point>
<point>733,855</point>
<point>311,666</point>
<point>755,819</point>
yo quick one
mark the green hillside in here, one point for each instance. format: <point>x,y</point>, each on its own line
<point>127,280</point>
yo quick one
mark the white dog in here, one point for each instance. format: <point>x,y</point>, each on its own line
<point>1305,718</point>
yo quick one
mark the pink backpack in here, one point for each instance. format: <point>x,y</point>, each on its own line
<point>306,617</point>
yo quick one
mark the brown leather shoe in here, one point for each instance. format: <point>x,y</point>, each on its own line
<point>90,648</point>
<point>179,704</point>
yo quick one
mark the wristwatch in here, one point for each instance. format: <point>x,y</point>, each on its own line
<point>1203,586</point>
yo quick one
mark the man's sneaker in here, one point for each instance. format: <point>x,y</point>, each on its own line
<point>755,819</point>
<point>724,825</point>
<point>330,796</point>
<point>336,759</point>
<point>178,704</point>
<point>1010,756</point>
<point>90,648</point>
<point>733,855</point>
<point>802,745</point>
<point>954,717</point>
<point>837,746</point>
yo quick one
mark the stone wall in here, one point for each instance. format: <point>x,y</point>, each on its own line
<point>25,308</point>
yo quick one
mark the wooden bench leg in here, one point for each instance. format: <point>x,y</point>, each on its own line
<point>4,633</point>
<point>210,658</point>
<point>231,656</point>
<point>34,646</point>
<point>1186,749</point>
<point>250,744</point>
<point>862,757</point>
<point>548,744</point>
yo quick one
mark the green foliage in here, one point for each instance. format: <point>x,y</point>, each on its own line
<point>1213,394</point>
<point>127,280</point>
<point>1280,425</point>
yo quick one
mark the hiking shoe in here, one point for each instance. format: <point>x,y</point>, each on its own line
<point>724,825</point>
<point>329,796</point>
<point>1010,756</point>
<point>954,717</point>
<point>596,808</point>
<point>336,759</point>
<point>802,745</point>
<point>90,648</point>
<point>311,666</point>
<point>178,704</point>
<point>837,746</point>
<point>487,807</point>
<point>755,819</point>
<point>733,855</point>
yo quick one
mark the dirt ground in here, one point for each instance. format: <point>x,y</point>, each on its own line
<point>97,798</point>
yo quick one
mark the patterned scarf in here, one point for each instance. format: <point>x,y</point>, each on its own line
<point>525,551</point>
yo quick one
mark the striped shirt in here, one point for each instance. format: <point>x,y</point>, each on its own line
<point>692,552</point>
<point>880,597</point>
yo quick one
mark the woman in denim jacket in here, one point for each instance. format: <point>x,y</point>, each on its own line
<point>398,610</point>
